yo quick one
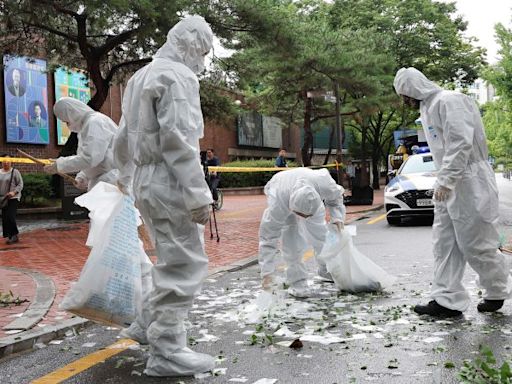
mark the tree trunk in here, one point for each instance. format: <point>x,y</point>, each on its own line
<point>331,139</point>
<point>375,170</point>
<point>365,180</point>
<point>307,147</point>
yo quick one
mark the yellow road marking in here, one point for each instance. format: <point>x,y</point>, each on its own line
<point>377,219</point>
<point>307,255</point>
<point>84,363</point>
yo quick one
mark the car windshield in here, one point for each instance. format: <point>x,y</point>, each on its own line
<point>418,164</point>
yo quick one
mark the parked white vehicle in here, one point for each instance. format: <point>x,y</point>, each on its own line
<point>410,193</point>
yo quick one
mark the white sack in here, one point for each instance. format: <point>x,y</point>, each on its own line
<point>109,289</point>
<point>350,269</point>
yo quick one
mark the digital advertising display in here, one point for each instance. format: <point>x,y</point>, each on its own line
<point>26,100</point>
<point>69,83</point>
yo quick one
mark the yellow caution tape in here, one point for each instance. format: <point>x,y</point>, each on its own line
<point>22,160</point>
<point>263,169</point>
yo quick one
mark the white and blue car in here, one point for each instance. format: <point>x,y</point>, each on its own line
<point>410,193</point>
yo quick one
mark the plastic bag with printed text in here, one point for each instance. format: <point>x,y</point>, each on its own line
<point>109,289</point>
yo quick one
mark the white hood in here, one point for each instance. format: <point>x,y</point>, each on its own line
<point>188,42</point>
<point>411,82</point>
<point>305,199</point>
<point>72,111</point>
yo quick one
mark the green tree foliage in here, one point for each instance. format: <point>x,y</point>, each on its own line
<point>288,74</point>
<point>421,33</point>
<point>498,114</point>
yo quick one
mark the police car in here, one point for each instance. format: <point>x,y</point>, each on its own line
<point>410,193</point>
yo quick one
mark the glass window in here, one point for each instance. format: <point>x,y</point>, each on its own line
<point>418,164</point>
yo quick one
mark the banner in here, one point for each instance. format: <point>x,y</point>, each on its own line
<point>250,129</point>
<point>272,132</point>
<point>26,100</point>
<point>73,84</point>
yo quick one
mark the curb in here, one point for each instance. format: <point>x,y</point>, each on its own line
<point>376,208</point>
<point>40,305</point>
<point>19,343</point>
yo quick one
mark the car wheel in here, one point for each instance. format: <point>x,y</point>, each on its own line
<point>393,220</point>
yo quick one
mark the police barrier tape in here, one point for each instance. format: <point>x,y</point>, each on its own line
<point>265,169</point>
<point>21,160</point>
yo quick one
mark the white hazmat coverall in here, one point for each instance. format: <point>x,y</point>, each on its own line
<point>297,190</point>
<point>94,159</point>
<point>158,144</point>
<point>465,225</point>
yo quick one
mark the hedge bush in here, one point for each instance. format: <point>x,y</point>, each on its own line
<point>248,179</point>
<point>36,186</point>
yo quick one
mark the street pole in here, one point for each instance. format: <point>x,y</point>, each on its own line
<point>338,132</point>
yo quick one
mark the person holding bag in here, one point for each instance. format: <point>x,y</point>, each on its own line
<point>11,185</point>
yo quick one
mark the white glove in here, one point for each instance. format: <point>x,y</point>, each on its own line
<point>81,183</point>
<point>51,168</point>
<point>200,215</point>
<point>441,193</point>
<point>339,226</point>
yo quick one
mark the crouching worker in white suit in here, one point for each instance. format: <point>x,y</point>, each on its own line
<point>158,148</point>
<point>465,196</point>
<point>94,159</point>
<point>296,198</point>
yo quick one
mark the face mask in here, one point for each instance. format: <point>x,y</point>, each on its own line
<point>74,127</point>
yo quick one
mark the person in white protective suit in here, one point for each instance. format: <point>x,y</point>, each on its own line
<point>158,150</point>
<point>295,208</point>
<point>465,198</point>
<point>94,160</point>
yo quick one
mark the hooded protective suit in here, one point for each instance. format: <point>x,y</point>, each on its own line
<point>465,223</point>
<point>298,190</point>
<point>158,147</point>
<point>94,159</point>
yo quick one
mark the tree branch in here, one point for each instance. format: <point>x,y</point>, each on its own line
<point>59,8</point>
<point>117,67</point>
<point>114,41</point>
<point>53,31</point>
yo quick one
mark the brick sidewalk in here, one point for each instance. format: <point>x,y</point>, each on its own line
<point>60,253</point>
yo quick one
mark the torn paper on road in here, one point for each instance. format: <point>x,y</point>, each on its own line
<point>350,269</point>
<point>109,289</point>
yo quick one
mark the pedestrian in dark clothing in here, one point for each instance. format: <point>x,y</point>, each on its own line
<point>11,185</point>
<point>213,161</point>
<point>281,159</point>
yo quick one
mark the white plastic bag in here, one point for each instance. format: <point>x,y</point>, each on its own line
<point>350,269</point>
<point>109,289</point>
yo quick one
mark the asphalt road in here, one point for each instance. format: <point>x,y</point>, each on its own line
<point>375,337</point>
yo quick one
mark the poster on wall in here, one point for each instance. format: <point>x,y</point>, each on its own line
<point>250,129</point>
<point>272,132</point>
<point>70,83</point>
<point>26,100</point>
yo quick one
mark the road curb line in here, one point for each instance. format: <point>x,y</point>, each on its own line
<point>22,342</point>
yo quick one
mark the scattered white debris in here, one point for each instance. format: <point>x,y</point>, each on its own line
<point>88,345</point>
<point>40,345</point>
<point>202,375</point>
<point>206,337</point>
<point>13,331</point>
<point>136,373</point>
<point>265,381</point>
<point>219,371</point>
<point>238,380</point>
<point>433,339</point>
<point>56,342</point>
